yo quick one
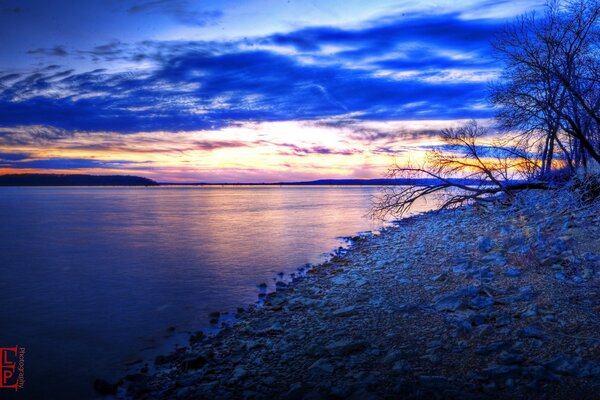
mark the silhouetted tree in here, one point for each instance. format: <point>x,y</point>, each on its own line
<point>550,86</point>
<point>465,170</point>
<point>548,110</point>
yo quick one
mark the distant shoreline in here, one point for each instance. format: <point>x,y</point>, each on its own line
<point>18,180</point>
<point>329,182</point>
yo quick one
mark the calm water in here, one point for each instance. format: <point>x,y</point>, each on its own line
<point>93,277</point>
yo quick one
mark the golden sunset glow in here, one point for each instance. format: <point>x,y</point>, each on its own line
<point>251,152</point>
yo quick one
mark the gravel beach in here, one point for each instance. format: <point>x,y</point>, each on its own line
<point>478,302</point>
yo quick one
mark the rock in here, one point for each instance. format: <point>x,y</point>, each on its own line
<point>195,360</point>
<point>495,371</point>
<point>340,280</point>
<point>559,276</point>
<point>456,300</point>
<point>481,302</point>
<point>345,312</point>
<point>460,268</point>
<point>346,346</point>
<point>494,260</point>
<point>401,366</point>
<point>238,374</point>
<point>435,382</point>
<point>491,348</point>
<point>450,303</point>
<point>393,356</point>
<point>525,294</point>
<point>485,244</point>
<point>532,331</point>
<point>321,367</point>
<point>296,391</point>
<point>280,285</point>
<point>576,366</point>
<point>274,329</point>
<point>513,272</point>
<point>184,392</point>
<point>531,311</point>
<point>539,373</point>
<point>360,282</point>
<point>477,319</point>
<point>511,358</point>
<point>197,337</point>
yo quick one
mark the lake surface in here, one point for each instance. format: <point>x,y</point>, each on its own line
<point>93,277</point>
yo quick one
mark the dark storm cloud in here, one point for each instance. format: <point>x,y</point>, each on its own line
<point>209,85</point>
<point>441,30</point>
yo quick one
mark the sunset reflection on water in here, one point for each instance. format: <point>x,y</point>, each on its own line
<point>96,274</point>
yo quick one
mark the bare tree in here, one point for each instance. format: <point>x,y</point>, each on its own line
<point>550,86</point>
<point>464,170</point>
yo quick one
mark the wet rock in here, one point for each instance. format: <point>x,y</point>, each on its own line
<point>195,360</point>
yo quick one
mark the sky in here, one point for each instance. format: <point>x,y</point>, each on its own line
<point>240,91</point>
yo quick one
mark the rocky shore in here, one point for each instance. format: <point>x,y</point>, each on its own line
<point>478,302</point>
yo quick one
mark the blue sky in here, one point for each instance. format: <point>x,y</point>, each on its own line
<point>239,90</point>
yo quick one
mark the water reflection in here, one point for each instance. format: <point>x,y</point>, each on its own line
<point>93,275</point>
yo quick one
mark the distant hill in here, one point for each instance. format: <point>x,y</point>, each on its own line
<point>344,182</point>
<point>380,182</point>
<point>73,180</point>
